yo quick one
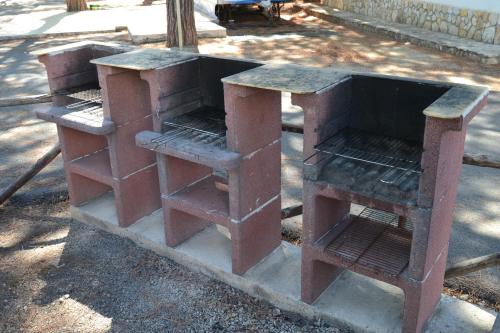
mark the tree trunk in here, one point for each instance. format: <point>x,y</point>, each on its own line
<point>76,5</point>
<point>473,265</point>
<point>187,38</point>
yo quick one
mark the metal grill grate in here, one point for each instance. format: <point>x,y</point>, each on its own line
<point>206,126</point>
<point>379,216</point>
<point>401,159</point>
<point>89,95</point>
<point>89,103</point>
<point>386,218</point>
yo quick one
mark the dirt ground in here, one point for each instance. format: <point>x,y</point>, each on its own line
<point>305,39</point>
<point>60,276</point>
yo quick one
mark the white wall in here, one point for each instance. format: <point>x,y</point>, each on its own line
<point>486,5</point>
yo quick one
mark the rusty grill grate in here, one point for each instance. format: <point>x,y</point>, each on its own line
<point>400,159</point>
<point>381,216</point>
<point>373,245</point>
<point>205,126</point>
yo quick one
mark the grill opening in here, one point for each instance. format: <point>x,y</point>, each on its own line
<point>205,125</point>
<point>389,107</point>
<point>88,101</point>
<point>394,160</point>
<point>388,218</point>
<point>371,141</point>
<point>201,118</point>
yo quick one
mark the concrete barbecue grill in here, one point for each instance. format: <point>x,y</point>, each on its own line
<point>219,156</point>
<point>97,116</point>
<point>394,146</point>
<point>197,139</point>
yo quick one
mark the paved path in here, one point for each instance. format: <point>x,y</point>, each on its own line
<point>486,53</point>
<point>20,72</point>
<point>47,18</point>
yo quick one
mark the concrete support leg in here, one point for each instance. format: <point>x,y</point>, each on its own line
<point>316,276</point>
<point>180,226</point>
<point>138,195</point>
<point>255,237</point>
<point>82,189</point>
<point>253,118</point>
<point>421,298</point>
<point>176,174</point>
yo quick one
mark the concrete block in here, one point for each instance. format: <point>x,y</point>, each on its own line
<point>253,121</point>
<point>137,195</point>
<point>126,157</point>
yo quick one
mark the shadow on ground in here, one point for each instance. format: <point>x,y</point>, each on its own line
<point>59,275</point>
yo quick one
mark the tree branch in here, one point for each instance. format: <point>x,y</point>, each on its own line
<point>32,172</point>
<point>473,265</point>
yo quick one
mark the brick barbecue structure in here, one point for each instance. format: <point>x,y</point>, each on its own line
<point>394,146</point>
<point>199,137</point>
<point>219,156</point>
<point>97,117</point>
<point>218,149</point>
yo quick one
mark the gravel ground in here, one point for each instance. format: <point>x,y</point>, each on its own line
<point>60,276</point>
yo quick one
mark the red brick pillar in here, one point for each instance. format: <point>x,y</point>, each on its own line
<point>126,102</point>
<point>253,119</point>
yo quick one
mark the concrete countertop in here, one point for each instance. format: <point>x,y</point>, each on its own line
<point>288,78</point>
<point>145,59</point>
<point>80,45</point>
<point>457,102</point>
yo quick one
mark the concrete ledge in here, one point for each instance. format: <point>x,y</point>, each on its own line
<point>482,52</point>
<point>354,301</point>
<point>4,38</point>
<point>140,33</point>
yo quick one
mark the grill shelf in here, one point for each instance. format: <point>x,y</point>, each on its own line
<point>89,95</point>
<point>387,218</point>
<point>82,111</point>
<point>198,136</point>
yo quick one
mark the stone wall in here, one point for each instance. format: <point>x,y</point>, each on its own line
<point>467,23</point>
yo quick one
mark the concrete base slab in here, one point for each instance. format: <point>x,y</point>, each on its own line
<point>154,31</point>
<point>354,301</point>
